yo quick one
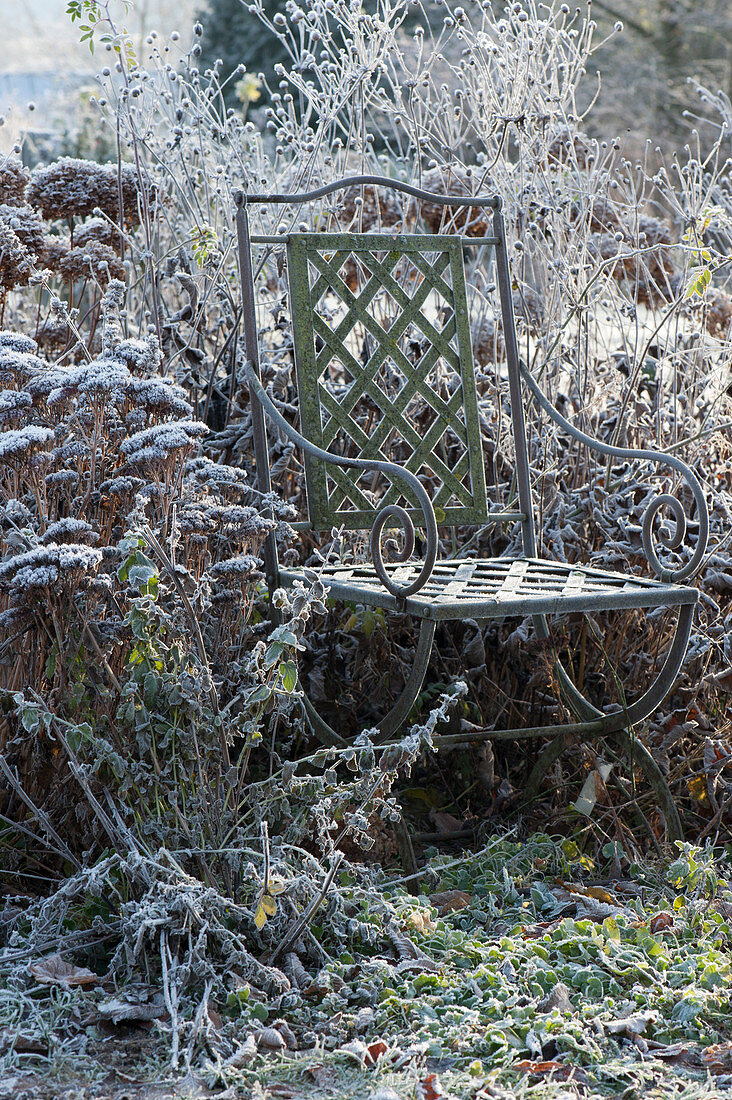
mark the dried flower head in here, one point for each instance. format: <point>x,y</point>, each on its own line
<point>18,445</point>
<point>55,249</point>
<point>14,180</point>
<point>26,224</point>
<point>101,231</point>
<point>72,188</point>
<point>65,566</point>
<point>13,406</point>
<point>17,264</point>
<point>453,179</point>
<point>95,260</point>
<point>155,445</point>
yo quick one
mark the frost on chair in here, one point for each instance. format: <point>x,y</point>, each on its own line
<point>387,402</point>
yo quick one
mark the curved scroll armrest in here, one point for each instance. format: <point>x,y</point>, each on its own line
<point>664,500</point>
<point>392,471</point>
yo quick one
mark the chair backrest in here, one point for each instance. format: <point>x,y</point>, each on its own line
<point>385,371</point>
<point>384,364</point>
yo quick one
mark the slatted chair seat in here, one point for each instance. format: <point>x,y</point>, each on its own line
<point>498,588</point>
<point>388,406</point>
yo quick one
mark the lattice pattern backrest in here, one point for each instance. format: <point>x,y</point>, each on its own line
<point>385,371</point>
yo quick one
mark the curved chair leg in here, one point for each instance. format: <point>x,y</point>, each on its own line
<point>398,713</point>
<point>619,722</point>
<point>639,754</point>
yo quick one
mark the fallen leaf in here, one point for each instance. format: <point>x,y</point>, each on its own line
<point>421,921</point>
<point>54,970</point>
<point>539,1069</point>
<point>596,892</point>
<point>592,788</point>
<point>445,823</point>
<point>324,1076</point>
<point>245,1053</point>
<point>121,1012</point>
<point>558,998</point>
<point>697,788</point>
<point>286,1032</point>
<point>374,1051</point>
<point>449,901</point>
<point>429,1088</point>
<point>660,922</point>
<point>718,1058</point>
<point>631,1025</point>
<point>417,966</point>
<point>21,1043</point>
<point>270,1038</point>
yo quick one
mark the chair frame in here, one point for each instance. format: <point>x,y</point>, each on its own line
<point>592,723</point>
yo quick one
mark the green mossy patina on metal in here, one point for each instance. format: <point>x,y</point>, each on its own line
<point>315,262</point>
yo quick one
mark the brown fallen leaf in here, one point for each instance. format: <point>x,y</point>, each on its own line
<point>55,970</point>
<point>449,901</point>
<point>374,1051</point>
<point>445,823</point>
<point>660,922</point>
<point>558,997</point>
<point>718,1058</point>
<point>430,1088</point>
<point>631,1025</point>
<point>245,1053</point>
<point>596,892</point>
<point>417,966</point>
<point>558,1069</point>
<point>270,1038</point>
<point>19,1041</point>
<point>324,1076</point>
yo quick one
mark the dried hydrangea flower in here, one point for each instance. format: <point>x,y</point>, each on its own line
<point>139,356</point>
<point>20,367</point>
<point>55,249</point>
<point>13,404</point>
<point>95,260</point>
<point>17,264</point>
<point>160,396</point>
<point>73,188</point>
<point>243,567</point>
<point>101,231</point>
<point>54,335</point>
<point>14,180</point>
<point>26,224</point>
<point>17,341</point>
<point>224,479</point>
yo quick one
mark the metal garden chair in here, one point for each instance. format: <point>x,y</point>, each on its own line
<point>385,368</point>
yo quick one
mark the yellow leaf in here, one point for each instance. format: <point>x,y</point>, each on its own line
<point>260,917</point>
<point>611,928</point>
<point>269,905</point>
<point>276,886</point>
<point>698,790</point>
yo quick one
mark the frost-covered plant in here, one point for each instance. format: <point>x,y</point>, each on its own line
<point>128,572</point>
